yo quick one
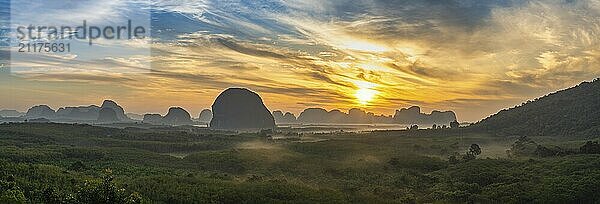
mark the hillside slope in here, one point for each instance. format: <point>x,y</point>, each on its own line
<point>570,112</point>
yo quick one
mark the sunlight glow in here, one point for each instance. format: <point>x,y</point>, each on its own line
<point>373,67</point>
<point>365,92</point>
<point>364,46</point>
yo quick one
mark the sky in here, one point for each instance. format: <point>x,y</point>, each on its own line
<point>470,56</point>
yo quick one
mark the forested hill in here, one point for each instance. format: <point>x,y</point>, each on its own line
<point>571,112</point>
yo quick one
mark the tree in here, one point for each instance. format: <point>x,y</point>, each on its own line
<point>452,159</point>
<point>475,149</point>
<point>414,127</point>
<point>106,191</point>
<point>542,151</point>
<point>473,152</point>
<point>590,148</point>
<point>524,146</point>
<point>11,193</point>
<point>454,124</point>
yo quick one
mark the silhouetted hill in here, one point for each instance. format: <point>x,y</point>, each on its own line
<point>40,111</point>
<point>240,109</point>
<point>155,119</point>
<point>411,115</point>
<point>287,118</point>
<point>84,114</point>
<point>177,116</point>
<point>107,115</point>
<point>118,110</point>
<point>314,115</point>
<point>11,113</point>
<point>571,112</point>
<point>80,113</point>
<point>205,116</point>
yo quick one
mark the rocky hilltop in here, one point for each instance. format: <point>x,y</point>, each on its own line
<point>155,119</point>
<point>315,115</point>
<point>354,116</point>
<point>176,116</point>
<point>80,113</point>
<point>413,115</point>
<point>240,109</point>
<point>85,114</point>
<point>205,116</point>
<point>118,110</point>
<point>40,111</point>
<point>107,115</point>
<point>410,115</point>
<point>287,118</point>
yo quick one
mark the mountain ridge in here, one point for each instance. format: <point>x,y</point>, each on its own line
<point>573,111</point>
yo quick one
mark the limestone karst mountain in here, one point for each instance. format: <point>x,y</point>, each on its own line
<point>107,115</point>
<point>278,116</point>
<point>118,110</point>
<point>287,118</point>
<point>335,116</point>
<point>11,113</point>
<point>177,116</point>
<point>240,109</point>
<point>155,119</point>
<point>84,114</point>
<point>354,116</point>
<point>413,115</point>
<point>314,115</point>
<point>40,111</point>
<point>205,116</point>
<point>80,113</point>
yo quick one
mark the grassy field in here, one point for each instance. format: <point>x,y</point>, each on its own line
<point>59,163</point>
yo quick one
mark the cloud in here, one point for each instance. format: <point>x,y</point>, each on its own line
<point>57,12</point>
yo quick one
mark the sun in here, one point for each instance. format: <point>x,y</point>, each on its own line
<point>365,95</point>
<point>366,92</point>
